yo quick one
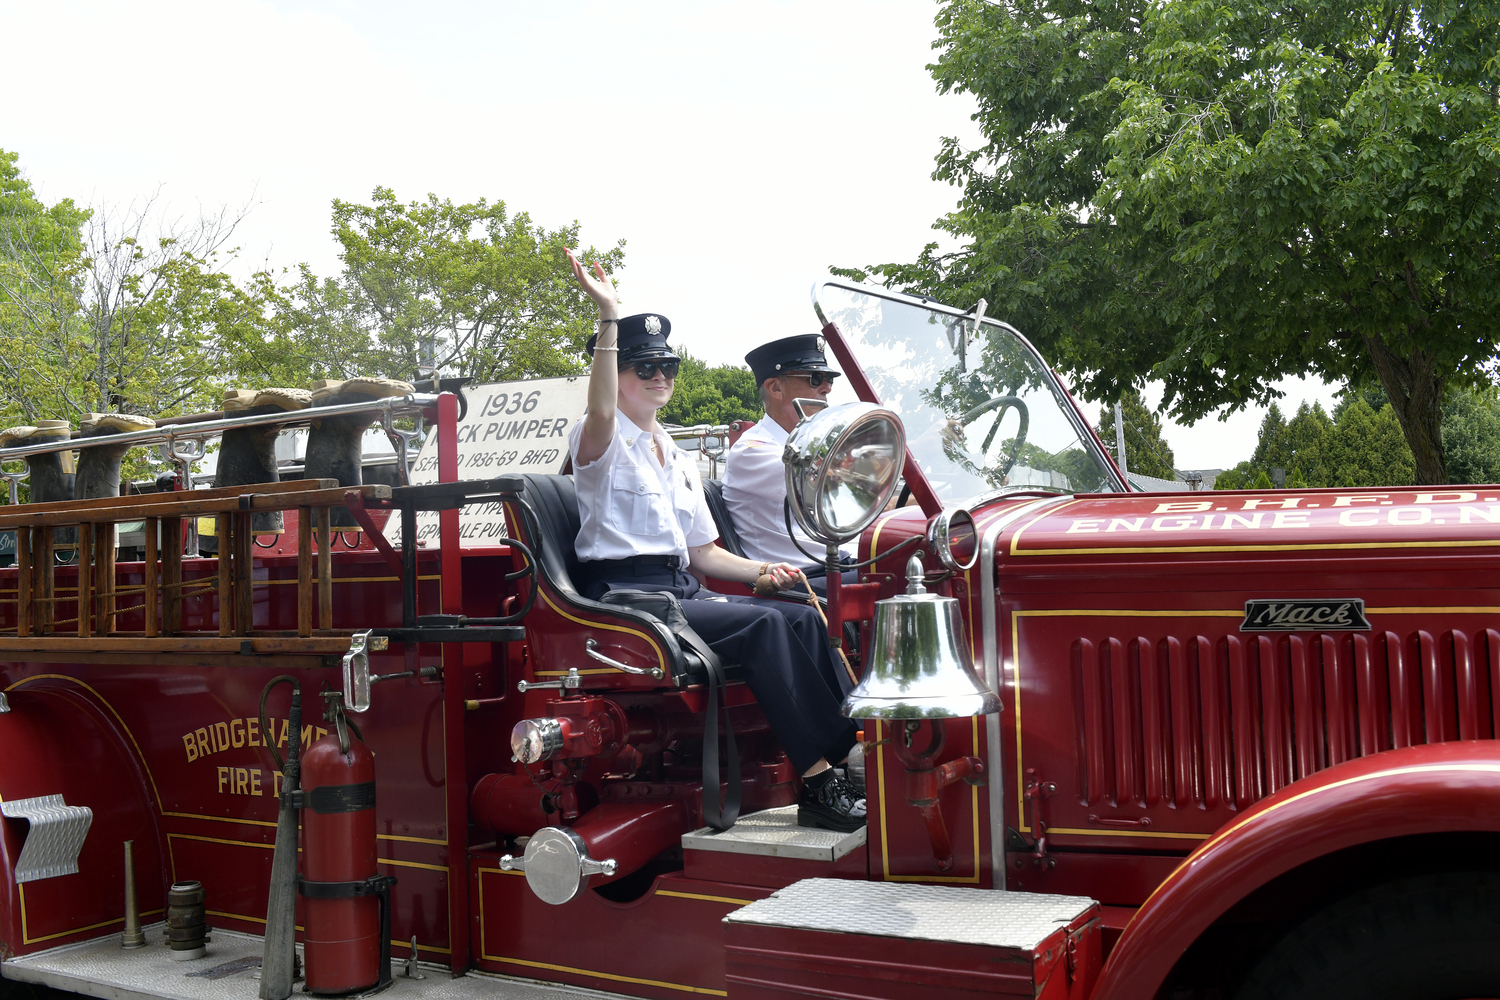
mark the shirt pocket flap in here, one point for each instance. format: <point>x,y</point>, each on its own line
<point>633,479</point>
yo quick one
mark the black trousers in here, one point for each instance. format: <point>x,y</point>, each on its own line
<point>782,648</point>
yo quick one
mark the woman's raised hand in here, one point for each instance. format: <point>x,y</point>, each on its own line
<point>598,285</point>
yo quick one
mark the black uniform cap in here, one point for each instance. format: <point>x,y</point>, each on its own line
<point>643,337</point>
<point>803,353</point>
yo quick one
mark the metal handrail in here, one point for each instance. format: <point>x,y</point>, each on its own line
<point>698,430</point>
<point>702,432</point>
<point>395,406</point>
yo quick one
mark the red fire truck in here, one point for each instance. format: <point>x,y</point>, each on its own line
<point>1116,744</point>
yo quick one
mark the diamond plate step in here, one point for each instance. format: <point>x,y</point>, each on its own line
<point>775,833</point>
<point>996,919</point>
<point>836,938</point>
<point>55,838</point>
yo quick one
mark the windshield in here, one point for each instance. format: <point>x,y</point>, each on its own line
<point>982,411</point>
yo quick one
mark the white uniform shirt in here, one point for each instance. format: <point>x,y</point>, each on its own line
<point>754,488</point>
<point>629,505</point>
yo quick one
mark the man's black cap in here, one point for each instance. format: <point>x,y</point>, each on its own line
<point>643,337</point>
<point>802,353</point>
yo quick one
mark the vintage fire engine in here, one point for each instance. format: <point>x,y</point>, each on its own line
<point>1116,744</point>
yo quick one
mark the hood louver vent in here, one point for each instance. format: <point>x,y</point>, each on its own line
<point>1218,723</point>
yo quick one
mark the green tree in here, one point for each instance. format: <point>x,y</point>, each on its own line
<point>1366,448</point>
<point>1272,448</point>
<point>1241,477</point>
<point>1471,436</point>
<point>155,305</point>
<point>711,395</point>
<point>1215,195</point>
<point>305,330</point>
<point>1360,446</point>
<point>40,263</point>
<point>1306,437</point>
<point>108,311</point>
<point>465,289</point>
<point>1146,452</point>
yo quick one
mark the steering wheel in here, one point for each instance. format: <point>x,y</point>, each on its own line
<point>1001,403</point>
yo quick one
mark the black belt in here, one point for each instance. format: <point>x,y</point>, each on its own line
<point>633,566</point>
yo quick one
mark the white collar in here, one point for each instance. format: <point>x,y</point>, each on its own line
<point>631,432</point>
<point>773,430</point>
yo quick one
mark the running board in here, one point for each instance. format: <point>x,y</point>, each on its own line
<point>99,968</point>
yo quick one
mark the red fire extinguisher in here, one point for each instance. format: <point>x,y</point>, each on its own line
<point>346,902</point>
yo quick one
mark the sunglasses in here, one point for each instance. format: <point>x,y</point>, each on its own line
<point>815,379</point>
<point>646,370</point>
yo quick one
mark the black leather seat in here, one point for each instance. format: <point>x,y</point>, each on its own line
<point>555,504</point>
<point>713,492</point>
<point>729,536</point>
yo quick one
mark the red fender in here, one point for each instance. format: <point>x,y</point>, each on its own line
<point>60,737</point>
<point>1437,788</point>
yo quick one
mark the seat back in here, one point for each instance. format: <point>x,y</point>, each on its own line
<point>556,505</point>
<point>729,536</point>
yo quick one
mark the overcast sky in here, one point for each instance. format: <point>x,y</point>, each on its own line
<point>739,149</point>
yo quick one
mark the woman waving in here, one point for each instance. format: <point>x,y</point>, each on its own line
<point>644,525</point>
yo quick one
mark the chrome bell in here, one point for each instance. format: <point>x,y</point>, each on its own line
<point>919,666</point>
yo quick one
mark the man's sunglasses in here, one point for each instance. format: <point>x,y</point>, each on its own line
<point>646,370</point>
<point>815,379</point>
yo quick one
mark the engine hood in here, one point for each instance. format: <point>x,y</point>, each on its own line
<point>1308,521</point>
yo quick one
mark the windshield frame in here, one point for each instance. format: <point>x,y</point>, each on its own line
<point>916,479</point>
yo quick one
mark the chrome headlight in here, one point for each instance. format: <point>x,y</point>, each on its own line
<point>952,537</point>
<point>842,467</point>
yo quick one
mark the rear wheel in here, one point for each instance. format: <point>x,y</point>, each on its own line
<point>1427,937</point>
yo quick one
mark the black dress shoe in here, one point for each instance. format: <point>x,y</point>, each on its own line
<point>828,801</point>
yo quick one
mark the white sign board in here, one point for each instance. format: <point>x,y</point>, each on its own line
<point>511,427</point>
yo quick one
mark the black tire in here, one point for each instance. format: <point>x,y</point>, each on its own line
<point>1427,937</point>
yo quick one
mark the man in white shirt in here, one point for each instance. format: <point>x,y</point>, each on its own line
<point>786,370</point>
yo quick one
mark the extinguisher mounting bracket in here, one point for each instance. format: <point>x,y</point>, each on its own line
<point>375,885</point>
<point>378,886</point>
